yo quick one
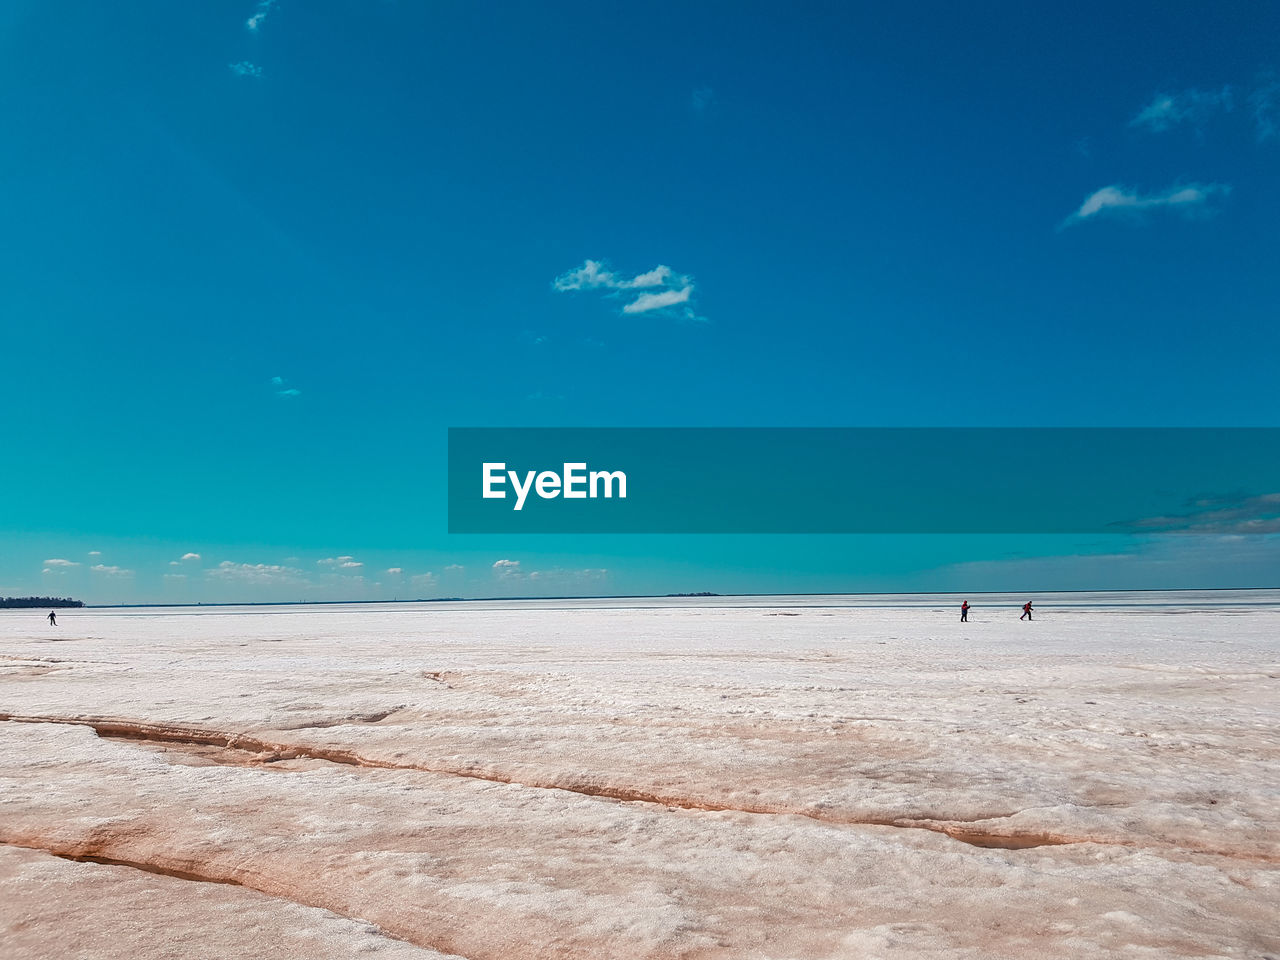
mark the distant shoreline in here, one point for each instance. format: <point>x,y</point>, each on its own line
<point>941,595</point>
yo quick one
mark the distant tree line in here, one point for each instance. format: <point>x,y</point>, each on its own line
<point>23,602</point>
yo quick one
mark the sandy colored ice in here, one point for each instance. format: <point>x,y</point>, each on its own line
<point>765,778</point>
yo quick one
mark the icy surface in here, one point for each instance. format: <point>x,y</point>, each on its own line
<point>757,778</point>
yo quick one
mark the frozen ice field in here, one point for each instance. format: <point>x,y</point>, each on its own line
<point>765,777</point>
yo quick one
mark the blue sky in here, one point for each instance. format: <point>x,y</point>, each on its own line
<point>258,257</point>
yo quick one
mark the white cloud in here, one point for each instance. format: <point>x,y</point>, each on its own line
<point>657,277</point>
<point>656,301</point>
<point>1159,114</point>
<point>555,578</point>
<point>395,571</point>
<point>454,568</point>
<point>246,69</point>
<point>1191,199</point>
<point>1168,110</point>
<point>593,274</point>
<point>191,556</point>
<point>259,14</point>
<point>427,579</point>
<point>59,562</point>
<point>506,569</point>
<point>340,563</point>
<point>95,553</point>
<point>284,391</point>
<point>268,573</point>
<point>1196,107</point>
<point>590,275</point>
<point>668,287</point>
<point>111,571</point>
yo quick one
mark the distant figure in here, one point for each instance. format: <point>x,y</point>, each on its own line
<point>53,619</point>
<point>964,612</point>
<point>1026,611</point>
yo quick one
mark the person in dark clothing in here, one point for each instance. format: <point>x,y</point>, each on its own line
<point>1026,611</point>
<point>964,612</point>
<point>53,619</point>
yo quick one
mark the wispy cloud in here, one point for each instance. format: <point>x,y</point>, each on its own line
<point>111,571</point>
<point>664,287</point>
<point>95,553</point>
<point>340,563</point>
<point>1193,199</point>
<point>395,571</point>
<point>656,301</point>
<point>1194,107</point>
<point>59,563</point>
<point>593,275</point>
<point>260,13</point>
<point>1237,514</point>
<point>558,577</point>
<point>702,100</point>
<point>283,389</point>
<point>506,569</point>
<point>257,573</point>
<point>191,556</point>
<point>1265,104</point>
<point>1159,562</point>
<point>246,69</point>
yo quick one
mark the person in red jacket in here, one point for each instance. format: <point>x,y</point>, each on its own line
<point>964,612</point>
<point>1026,611</point>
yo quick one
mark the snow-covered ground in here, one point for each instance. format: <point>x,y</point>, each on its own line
<point>763,777</point>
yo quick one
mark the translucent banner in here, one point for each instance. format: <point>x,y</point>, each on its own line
<point>864,480</point>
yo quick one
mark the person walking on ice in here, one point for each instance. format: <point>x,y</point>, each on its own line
<point>1026,611</point>
<point>964,612</point>
<point>53,619</point>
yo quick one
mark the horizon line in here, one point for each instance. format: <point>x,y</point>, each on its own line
<point>675,596</point>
